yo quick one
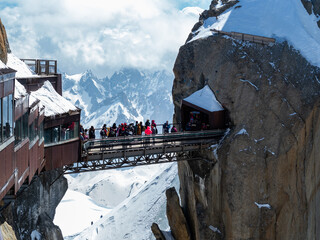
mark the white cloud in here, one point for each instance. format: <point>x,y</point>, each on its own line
<point>98,34</point>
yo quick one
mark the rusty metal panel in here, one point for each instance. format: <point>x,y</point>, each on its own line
<point>6,169</point>
<point>1,89</point>
<point>41,158</point>
<point>33,160</point>
<point>22,163</point>
<point>21,157</point>
<point>33,115</point>
<point>41,119</point>
<point>62,154</point>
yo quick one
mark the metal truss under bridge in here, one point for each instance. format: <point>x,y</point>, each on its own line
<point>132,151</point>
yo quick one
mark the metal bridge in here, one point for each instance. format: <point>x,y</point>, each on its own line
<point>132,151</point>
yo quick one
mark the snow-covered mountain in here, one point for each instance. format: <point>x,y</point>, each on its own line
<point>128,95</point>
<point>121,203</point>
<point>116,204</point>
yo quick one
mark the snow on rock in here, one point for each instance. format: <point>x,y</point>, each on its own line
<point>22,69</point>
<point>262,205</point>
<point>54,103</point>
<point>214,229</point>
<point>19,90</point>
<point>205,99</point>
<point>35,235</point>
<point>242,80</point>
<point>243,131</point>
<point>287,21</point>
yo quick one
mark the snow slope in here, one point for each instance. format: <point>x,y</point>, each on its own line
<point>283,20</point>
<point>135,196</point>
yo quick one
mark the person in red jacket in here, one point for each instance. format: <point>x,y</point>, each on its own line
<point>148,131</point>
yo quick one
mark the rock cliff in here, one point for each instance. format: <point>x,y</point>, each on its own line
<point>34,208</point>
<point>4,44</point>
<point>262,181</point>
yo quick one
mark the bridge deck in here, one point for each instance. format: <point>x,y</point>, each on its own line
<point>131,151</point>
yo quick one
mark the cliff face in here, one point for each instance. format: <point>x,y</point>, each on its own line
<point>272,93</point>
<point>4,44</point>
<point>34,208</point>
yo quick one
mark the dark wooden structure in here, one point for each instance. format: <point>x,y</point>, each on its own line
<point>215,119</point>
<point>202,111</point>
<point>24,154</point>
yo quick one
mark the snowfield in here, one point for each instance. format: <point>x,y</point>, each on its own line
<point>283,20</point>
<point>121,204</point>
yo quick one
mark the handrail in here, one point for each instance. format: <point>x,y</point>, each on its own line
<point>133,140</point>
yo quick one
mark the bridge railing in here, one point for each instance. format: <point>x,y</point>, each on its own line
<point>147,139</point>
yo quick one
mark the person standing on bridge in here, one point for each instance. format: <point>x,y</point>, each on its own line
<point>166,127</point>
<point>92,134</point>
<point>139,129</point>
<point>135,132</point>
<point>154,127</point>
<point>174,129</point>
<point>148,131</point>
<point>147,123</point>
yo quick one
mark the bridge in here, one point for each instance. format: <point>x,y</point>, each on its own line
<point>132,151</point>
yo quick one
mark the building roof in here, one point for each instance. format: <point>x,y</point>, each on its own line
<point>22,69</point>
<point>19,90</point>
<point>205,98</point>
<point>54,103</point>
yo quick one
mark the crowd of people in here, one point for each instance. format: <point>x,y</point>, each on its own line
<point>124,129</point>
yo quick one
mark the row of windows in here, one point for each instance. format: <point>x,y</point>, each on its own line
<point>61,133</point>
<point>22,130</point>
<point>6,117</point>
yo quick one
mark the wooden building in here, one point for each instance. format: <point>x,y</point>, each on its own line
<point>34,135</point>
<point>201,110</point>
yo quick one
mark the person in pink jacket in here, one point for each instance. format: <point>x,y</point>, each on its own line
<point>148,131</point>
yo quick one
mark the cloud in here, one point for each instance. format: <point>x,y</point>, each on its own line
<point>100,35</point>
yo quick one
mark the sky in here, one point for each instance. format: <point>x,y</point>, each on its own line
<point>101,35</point>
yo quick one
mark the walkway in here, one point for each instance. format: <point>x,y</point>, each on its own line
<point>132,151</point>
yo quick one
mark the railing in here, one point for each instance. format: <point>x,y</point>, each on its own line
<point>138,139</point>
<point>132,151</point>
<point>247,37</point>
<point>42,66</point>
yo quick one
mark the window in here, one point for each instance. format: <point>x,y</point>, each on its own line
<point>33,130</point>
<point>41,131</point>
<point>7,117</point>
<point>61,133</point>
<point>21,128</point>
